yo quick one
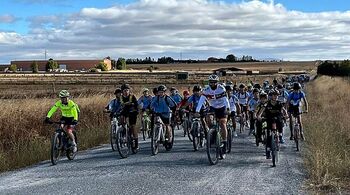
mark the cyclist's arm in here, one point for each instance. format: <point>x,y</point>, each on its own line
<point>227,103</point>
<point>201,101</point>
<point>75,111</point>
<point>261,111</point>
<point>52,110</point>
<point>306,104</point>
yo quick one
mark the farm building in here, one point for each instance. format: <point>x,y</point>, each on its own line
<point>70,65</point>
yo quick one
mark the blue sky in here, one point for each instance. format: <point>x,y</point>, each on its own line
<point>287,29</point>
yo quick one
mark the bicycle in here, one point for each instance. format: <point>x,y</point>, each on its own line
<point>125,143</point>
<point>60,144</point>
<point>296,130</point>
<point>197,130</point>
<point>113,131</point>
<point>186,124</point>
<point>158,136</point>
<point>145,125</point>
<point>229,135</point>
<point>214,147</point>
<point>274,141</point>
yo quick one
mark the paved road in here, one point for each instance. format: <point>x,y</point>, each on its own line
<point>181,171</point>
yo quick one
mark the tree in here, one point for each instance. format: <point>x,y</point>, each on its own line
<point>101,65</point>
<point>51,64</point>
<point>35,67</point>
<point>121,64</point>
<point>13,68</point>
<point>230,58</point>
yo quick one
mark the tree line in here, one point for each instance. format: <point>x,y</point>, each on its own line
<point>334,68</point>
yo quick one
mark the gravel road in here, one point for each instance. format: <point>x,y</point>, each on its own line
<point>180,171</point>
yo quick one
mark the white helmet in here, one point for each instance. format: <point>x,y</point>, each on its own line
<point>213,77</point>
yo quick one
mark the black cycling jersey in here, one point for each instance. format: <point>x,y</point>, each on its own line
<point>273,110</point>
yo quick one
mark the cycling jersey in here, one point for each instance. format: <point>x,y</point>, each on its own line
<point>295,98</point>
<point>145,101</point>
<point>177,98</point>
<point>243,98</point>
<point>114,106</point>
<point>253,103</point>
<point>162,105</point>
<point>69,110</point>
<point>194,100</point>
<point>233,101</point>
<point>273,110</point>
<point>283,97</point>
<point>217,98</point>
<point>133,107</point>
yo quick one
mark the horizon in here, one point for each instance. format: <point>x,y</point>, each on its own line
<point>288,30</point>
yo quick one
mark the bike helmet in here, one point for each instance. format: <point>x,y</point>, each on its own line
<point>172,89</point>
<point>241,86</point>
<point>63,94</point>
<point>255,90</point>
<point>197,88</point>
<point>274,92</point>
<point>155,90</point>
<point>296,86</point>
<point>257,86</point>
<point>118,90</point>
<point>263,95</point>
<point>161,88</point>
<point>249,85</point>
<point>229,83</point>
<point>229,87</point>
<point>213,77</point>
<point>144,90</point>
<point>125,86</point>
<point>279,86</point>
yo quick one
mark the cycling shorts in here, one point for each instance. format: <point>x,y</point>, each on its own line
<point>219,112</point>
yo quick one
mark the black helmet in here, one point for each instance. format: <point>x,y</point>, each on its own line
<point>125,86</point>
<point>257,86</point>
<point>172,89</point>
<point>263,95</point>
<point>279,86</point>
<point>274,92</point>
<point>296,86</point>
<point>161,88</point>
<point>241,86</point>
<point>155,90</point>
<point>256,90</point>
<point>197,88</point>
<point>118,90</point>
<point>275,81</point>
<point>229,87</point>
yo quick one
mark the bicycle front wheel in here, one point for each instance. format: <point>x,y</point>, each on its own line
<point>274,149</point>
<point>113,137</point>
<point>213,147</point>
<point>55,148</point>
<point>195,136</point>
<point>296,136</point>
<point>155,140</point>
<point>123,145</point>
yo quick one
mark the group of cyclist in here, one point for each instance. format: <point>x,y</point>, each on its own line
<point>271,102</point>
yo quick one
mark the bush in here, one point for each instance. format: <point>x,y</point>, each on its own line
<point>334,68</point>
<point>35,67</point>
<point>51,65</point>
<point>102,66</point>
<point>121,64</point>
<point>13,68</point>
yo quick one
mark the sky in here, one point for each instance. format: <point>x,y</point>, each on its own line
<point>194,29</point>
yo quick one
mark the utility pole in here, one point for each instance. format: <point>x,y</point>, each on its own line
<point>45,54</point>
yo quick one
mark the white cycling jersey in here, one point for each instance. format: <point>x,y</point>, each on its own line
<point>217,98</point>
<point>233,101</point>
<point>243,98</point>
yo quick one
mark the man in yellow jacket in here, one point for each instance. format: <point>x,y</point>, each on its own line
<point>69,112</point>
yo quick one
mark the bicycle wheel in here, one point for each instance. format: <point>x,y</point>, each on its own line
<point>229,139</point>
<point>195,136</point>
<point>123,145</point>
<point>143,128</point>
<point>296,136</point>
<point>55,148</point>
<point>189,135</point>
<point>113,137</point>
<point>69,152</point>
<point>242,124</point>
<point>168,146</point>
<point>274,149</point>
<point>213,147</point>
<point>154,140</point>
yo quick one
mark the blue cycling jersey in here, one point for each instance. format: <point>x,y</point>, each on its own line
<point>177,98</point>
<point>162,105</point>
<point>295,97</point>
<point>114,106</point>
<point>145,101</point>
<point>193,99</point>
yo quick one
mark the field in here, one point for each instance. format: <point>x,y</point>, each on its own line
<point>327,129</point>
<point>260,66</point>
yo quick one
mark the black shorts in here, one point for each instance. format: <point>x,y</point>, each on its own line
<point>233,115</point>
<point>67,120</point>
<point>294,110</point>
<point>132,117</point>
<point>219,112</point>
<point>279,124</point>
<point>244,108</point>
<point>165,120</point>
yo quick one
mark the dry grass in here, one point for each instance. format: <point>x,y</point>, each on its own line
<point>327,128</point>
<point>26,140</point>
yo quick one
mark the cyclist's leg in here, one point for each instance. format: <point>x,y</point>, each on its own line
<point>279,125</point>
<point>222,116</point>
<point>133,131</point>
<point>258,129</point>
<point>301,127</point>
<point>252,121</point>
<point>166,121</point>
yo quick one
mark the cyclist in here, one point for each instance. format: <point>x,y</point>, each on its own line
<point>250,90</point>
<point>283,94</point>
<point>243,97</point>
<point>294,107</point>
<point>260,106</point>
<point>234,106</point>
<point>114,105</point>
<point>163,104</point>
<point>129,110</point>
<point>274,112</point>
<point>215,94</point>
<point>174,94</point>
<point>182,106</point>
<point>155,93</point>
<point>69,112</point>
<point>252,104</point>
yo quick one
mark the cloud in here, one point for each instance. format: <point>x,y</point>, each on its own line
<point>6,18</point>
<point>197,28</point>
